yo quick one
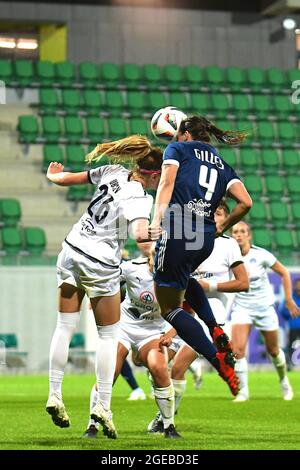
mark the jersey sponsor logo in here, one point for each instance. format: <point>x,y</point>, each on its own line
<point>200,207</point>
<point>147,297</point>
<point>88,226</point>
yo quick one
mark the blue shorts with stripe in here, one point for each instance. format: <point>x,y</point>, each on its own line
<point>174,263</point>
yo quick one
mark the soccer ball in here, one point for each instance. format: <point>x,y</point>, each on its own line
<point>165,123</point>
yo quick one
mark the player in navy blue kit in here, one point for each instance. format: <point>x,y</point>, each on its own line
<point>193,181</point>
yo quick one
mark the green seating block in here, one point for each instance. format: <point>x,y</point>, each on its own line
<point>75,158</point>
<point>11,240</point>
<point>116,128</point>
<point>258,214</point>
<point>275,187</point>
<point>240,106</point>
<point>131,75</point>
<point>263,238</point>
<point>95,129</point>
<point>89,74</point>
<point>270,160</point>
<point>173,76</point>
<point>152,76</point>
<point>93,102</point>
<point>291,161</point>
<point>136,103</point>
<point>80,192</point>
<point>254,186</point>
<point>250,161</point>
<point>256,78</point>
<point>215,77</point>
<point>71,101</point>
<point>73,129</point>
<point>179,100</point>
<point>6,71</point>
<point>52,153</point>
<point>10,212</point>
<point>286,133</point>
<point>230,156</point>
<point>276,79</point>
<point>156,100</point>
<point>293,187</point>
<point>261,106</point>
<point>35,240</point>
<point>48,100</point>
<point>194,76</point>
<point>110,74</point>
<point>220,105</point>
<point>77,341</point>
<point>236,78</point>
<point>114,103</point>
<point>295,209</point>
<point>279,214</point>
<point>45,72</point>
<point>284,241</point>
<point>282,106</point>
<point>65,73</point>
<point>24,72</point>
<point>138,126</point>
<point>28,129</point>
<point>51,126</point>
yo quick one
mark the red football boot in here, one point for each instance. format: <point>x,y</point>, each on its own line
<point>221,340</point>
<point>226,371</point>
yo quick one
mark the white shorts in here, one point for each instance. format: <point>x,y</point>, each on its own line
<point>265,320</point>
<point>94,278</point>
<point>134,336</point>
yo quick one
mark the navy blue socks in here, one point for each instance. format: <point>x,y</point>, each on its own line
<point>127,373</point>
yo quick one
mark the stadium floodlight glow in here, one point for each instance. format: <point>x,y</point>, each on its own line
<point>8,43</point>
<point>27,44</point>
<point>289,24</point>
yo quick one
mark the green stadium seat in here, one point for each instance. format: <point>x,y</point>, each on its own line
<point>275,186</point>
<point>173,76</point>
<point>292,75</point>
<point>138,126</point>
<point>77,341</point>
<point>114,103</point>
<point>10,212</point>
<point>24,72</point>
<point>71,101</point>
<point>11,240</point>
<point>261,106</point>
<point>220,105</point>
<point>6,71</point>
<point>286,133</point>
<point>254,186</point>
<point>235,78</point>
<point>230,156</point>
<point>132,248</point>
<point>51,126</point>
<point>131,76</point>
<point>270,160</point>
<point>240,106</point>
<point>110,75</point>
<point>136,103</point>
<point>75,158</point>
<point>295,210</point>
<point>293,187</point>
<point>263,239</point>
<point>95,129</point>
<point>246,126</point>
<point>276,79</point>
<point>65,73</point>
<point>35,240</point>
<point>28,129</point>
<point>279,214</point>
<point>13,357</point>
<point>284,241</point>
<point>265,133</point>
<point>9,339</point>
<point>93,102</point>
<point>45,72</point>
<point>256,78</point>
<point>282,107</point>
<point>258,214</point>
<point>80,192</point>
<point>52,153</point>
<point>194,77</point>
<point>291,160</point>
<point>249,159</point>
<point>156,100</point>
<point>48,100</point>
<point>200,103</point>
<point>152,76</point>
<point>89,74</point>
<point>179,100</point>
<point>73,129</point>
<point>215,77</point>
<point>116,128</point>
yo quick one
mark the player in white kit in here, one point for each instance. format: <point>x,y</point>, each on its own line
<point>221,273</point>
<point>256,308</point>
<point>141,329</point>
<point>89,262</point>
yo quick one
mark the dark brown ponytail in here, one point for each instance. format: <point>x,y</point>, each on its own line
<point>202,129</point>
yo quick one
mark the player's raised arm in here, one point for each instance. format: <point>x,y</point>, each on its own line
<point>57,175</point>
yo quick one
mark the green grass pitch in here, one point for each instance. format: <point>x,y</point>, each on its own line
<point>207,418</point>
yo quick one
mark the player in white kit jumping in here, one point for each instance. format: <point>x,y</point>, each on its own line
<point>89,262</point>
<point>256,308</point>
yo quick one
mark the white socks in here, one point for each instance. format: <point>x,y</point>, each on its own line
<point>164,398</point>
<point>280,364</point>
<point>59,349</point>
<point>93,403</point>
<point>179,389</point>
<point>106,358</point>
<point>241,370</point>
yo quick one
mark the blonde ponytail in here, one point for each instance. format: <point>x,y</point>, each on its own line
<point>134,146</point>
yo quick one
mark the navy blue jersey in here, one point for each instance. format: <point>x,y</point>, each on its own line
<point>202,179</point>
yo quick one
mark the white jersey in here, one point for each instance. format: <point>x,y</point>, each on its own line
<point>140,305</point>
<point>225,255</point>
<point>260,295</point>
<point>101,231</point>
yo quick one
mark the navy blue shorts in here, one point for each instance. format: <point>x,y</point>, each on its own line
<point>174,263</point>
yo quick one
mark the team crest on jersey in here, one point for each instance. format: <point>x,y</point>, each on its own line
<point>252,260</point>
<point>147,297</point>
